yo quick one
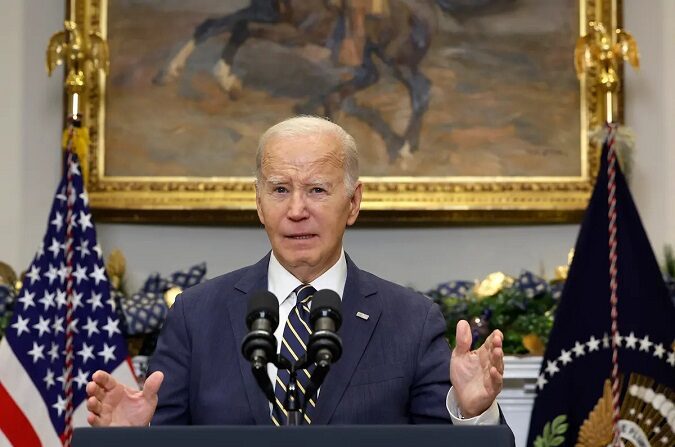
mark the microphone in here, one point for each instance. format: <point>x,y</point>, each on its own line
<point>324,346</point>
<point>260,345</point>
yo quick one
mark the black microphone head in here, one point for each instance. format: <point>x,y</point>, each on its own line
<point>263,304</point>
<point>326,303</point>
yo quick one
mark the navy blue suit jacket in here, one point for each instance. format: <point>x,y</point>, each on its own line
<point>394,368</point>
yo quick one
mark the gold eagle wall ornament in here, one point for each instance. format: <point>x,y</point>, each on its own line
<point>600,52</point>
<point>76,50</point>
<point>79,52</point>
<point>604,50</point>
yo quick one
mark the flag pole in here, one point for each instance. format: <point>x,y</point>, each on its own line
<point>600,52</point>
<point>70,201</point>
<point>83,54</point>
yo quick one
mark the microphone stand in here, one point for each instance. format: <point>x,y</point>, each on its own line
<point>294,408</point>
<point>294,411</point>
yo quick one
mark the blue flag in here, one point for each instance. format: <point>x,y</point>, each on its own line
<point>574,399</point>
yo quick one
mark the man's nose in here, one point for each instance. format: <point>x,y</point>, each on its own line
<point>297,208</point>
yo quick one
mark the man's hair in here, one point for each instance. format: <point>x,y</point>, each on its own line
<point>304,125</point>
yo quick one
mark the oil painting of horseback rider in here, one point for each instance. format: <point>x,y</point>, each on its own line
<point>429,88</point>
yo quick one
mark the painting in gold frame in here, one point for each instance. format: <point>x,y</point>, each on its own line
<point>504,137</point>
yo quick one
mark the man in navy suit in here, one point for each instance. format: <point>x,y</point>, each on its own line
<point>396,367</point>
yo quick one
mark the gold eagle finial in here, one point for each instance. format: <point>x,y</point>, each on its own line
<point>603,49</point>
<point>75,50</point>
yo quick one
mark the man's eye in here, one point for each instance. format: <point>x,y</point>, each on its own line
<point>318,190</point>
<point>280,189</point>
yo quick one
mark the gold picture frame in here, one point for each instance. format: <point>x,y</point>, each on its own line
<point>388,200</point>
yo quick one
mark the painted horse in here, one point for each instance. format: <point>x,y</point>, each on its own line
<point>397,32</point>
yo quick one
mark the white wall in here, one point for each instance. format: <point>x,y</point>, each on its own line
<point>41,122</point>
<point>30,126</point>
<point>29,138</point>
<point>422,257</point>
<point>650,105</point>
<point>11,108</point>
<point>669,113</point>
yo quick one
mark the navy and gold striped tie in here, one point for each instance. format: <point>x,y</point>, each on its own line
<point>293,347</point>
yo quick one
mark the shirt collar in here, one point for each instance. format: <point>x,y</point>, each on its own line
<point>281,282</point>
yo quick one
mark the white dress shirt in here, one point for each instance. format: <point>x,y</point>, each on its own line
<point>282,283</point>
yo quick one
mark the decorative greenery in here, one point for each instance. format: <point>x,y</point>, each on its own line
<point>9,287</point>
<point>669,261</point>
<point>524,320</point>
<point>4,322</point>
<point>522,308</point>
<point>554,434</point>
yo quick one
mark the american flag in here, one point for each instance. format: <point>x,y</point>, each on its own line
<point>34,374</point>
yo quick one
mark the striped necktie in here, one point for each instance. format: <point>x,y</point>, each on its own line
<point>293,347</point>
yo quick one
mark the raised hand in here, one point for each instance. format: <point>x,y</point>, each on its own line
<point>477,376</point>
<point>112,404</point>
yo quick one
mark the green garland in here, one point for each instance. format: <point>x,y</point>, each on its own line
<point>525,321</point>
<point>668,261</point>
<point>508,310</point>
<point>4,322</point>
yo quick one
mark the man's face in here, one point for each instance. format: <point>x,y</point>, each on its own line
<point>303,203</point>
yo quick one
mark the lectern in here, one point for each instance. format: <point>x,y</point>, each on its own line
<point>303,436</point>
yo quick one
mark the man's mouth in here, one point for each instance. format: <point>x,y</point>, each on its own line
<point>301,236</point>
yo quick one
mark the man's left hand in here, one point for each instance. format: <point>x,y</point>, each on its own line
<point>477,376</point>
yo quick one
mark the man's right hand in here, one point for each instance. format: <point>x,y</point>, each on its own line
<point>112,404</point>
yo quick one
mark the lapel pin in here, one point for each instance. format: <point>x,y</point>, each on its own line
<point>362,315</point>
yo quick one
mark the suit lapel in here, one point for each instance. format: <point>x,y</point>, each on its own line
<point>253,281</point>
<point>359,296</point>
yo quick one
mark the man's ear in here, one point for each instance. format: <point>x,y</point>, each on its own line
<point>355,204</point>
<point>258,205</point>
